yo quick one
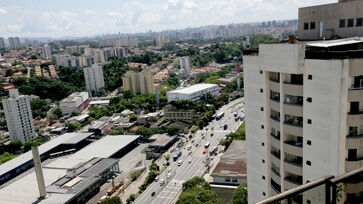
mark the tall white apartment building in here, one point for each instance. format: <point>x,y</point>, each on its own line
<point>2,43</point>
<point>46,52</point>
<point>19,118</point>
<point>304,115</point>
<point>185,64</point>
<point>14,43</point>
<point>94,77</point>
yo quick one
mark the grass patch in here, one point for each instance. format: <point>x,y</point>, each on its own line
<point>6,157</point>
<point>135,175</point>
<point>161,118</point>
<point>240,134</point>
<point>194,129</point>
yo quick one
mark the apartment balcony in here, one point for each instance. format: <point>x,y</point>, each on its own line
<point>275,158</point>
<point>275,191</point>
<point>293,109</point>
<point>293,129</point>
<point>354,142</point>
<point>355,119</point>
<point>275,105</point>
<point>291,183</point>
<point>294,148</point>
<point>293,167</point>
<point>355,94</point>
<point>275,124</point>
<point>293,89</point>
<point>351,165</point>
<point>275,141</point>
<point>275,176</point>
<point>274,86</point>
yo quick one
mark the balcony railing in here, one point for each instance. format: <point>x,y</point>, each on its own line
<point>275,136</point>
<point>294,143</point>
<point>276,99</point>
<point>333,187</point>
<point>294,123</point>
<point>297,180</point>
<point>275,118</point>
<point>294,162</point>
<point>276,154</point>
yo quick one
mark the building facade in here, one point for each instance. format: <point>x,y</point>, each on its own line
<point>94,78</point>
<point>185,64</point>
<point>46,52</point>
<point>2,43</point>
<point>14,43</point>
<point>75,102</point>
<point>304,105</point>
<point>171,113</point>
<point>193,93</point>
<point>337,20</point>
<point>19,118</point>
<point>141,82</point>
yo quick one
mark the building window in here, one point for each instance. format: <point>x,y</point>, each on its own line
<point>261,72</point>
<point>263,193</point>
<point>359,22</point>
<point>263,161</point>
<point>312,25</point>
<point>262,127</point>
<point>309,121</point>
<point>263,144</point>
<point>261,108</point>
<point>308,142</point>
<point>306,26</point>
<point>234,180</point>
<point>261,90</point>
<point>341,23</point>
<point>350,22</point>
<point>310,77</point>
<point>263,178</point>
<point>227,180</point>
<point>309,99</point>
<point>308,163</point>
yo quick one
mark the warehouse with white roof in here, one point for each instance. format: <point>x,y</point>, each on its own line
<point>193,93</point>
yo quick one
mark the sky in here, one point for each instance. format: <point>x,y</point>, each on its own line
<point>58,18</point>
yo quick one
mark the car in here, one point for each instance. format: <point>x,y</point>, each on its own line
<point>168,176</point>
<point>190,161</point>
<point>180,162</point>
<point>153,193</point>
<point>204,151</point>
<point>192,141</point>
<point>189,153</point>
<point>212,158</point>
<point>169,169</point>
<point>211,134</point>
<point>157,179</point>
<point>162,182</point>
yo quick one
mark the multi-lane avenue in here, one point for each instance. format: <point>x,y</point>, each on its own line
<point>194,163</point>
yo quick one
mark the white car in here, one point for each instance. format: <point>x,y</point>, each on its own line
<point>157,179</point>
<point>180,162</point>
<point>169,170</point>
<point>190,161</point>
<point>162,182</point>
<point>168,176</point>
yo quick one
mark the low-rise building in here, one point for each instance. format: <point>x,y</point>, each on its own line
<point>75,102</point>
<point>232,167</point>
<point>193,93</point>
<point>171,113</point>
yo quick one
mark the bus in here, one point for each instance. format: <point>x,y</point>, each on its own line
<point>177,155</point>
<point>219,116</point>
<point>207,145</point>
<point>212,151</point>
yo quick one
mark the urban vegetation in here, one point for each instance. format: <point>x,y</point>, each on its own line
<point>240,134</point>
<point>197,190</point>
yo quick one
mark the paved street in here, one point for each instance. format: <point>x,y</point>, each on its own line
<point>169,192</point>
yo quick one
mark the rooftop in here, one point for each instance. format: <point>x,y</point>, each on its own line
<point>332,43</point>
<point>233,163</point>
<point>193,88</point>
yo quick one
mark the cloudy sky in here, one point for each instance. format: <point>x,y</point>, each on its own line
<point>56,18</point>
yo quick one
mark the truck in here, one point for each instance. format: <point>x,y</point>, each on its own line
<point>219,115</point>
<point>206,145</point>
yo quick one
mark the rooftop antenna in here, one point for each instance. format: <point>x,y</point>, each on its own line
<point>39,172</point>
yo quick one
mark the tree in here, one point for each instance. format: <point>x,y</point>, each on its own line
<point>58,112</point>
<point>13,146</point>
<point>133,118</point>
<point>128,94</point>
<point>197,190</point>
<point>114,200</point>
<point>117,131</point>
<point>9,72</point>
<point>75,113</point>
<point>71,127</point>
<point>173,80</point>
<point>172,130</point>
<point>144,131</point>
<point>39,108</point>
<point>131,198</point>
<point>239,195</point>
<point>27,145</point>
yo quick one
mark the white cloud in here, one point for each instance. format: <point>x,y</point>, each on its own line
<point>90,11</point>
<point>3,11</point>
<point>14,28</point>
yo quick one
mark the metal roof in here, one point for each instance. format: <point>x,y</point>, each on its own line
<point>332,43</point>
<point>193,88</point>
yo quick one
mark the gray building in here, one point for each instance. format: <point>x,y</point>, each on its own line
<point>94,77</point>
<point>46,52</point>
<point>14,43</point>
<point>2,43</point>
<point>337,20</point>
<point>19,118</point>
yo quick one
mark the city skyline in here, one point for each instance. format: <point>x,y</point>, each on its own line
<point>58,19</point>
